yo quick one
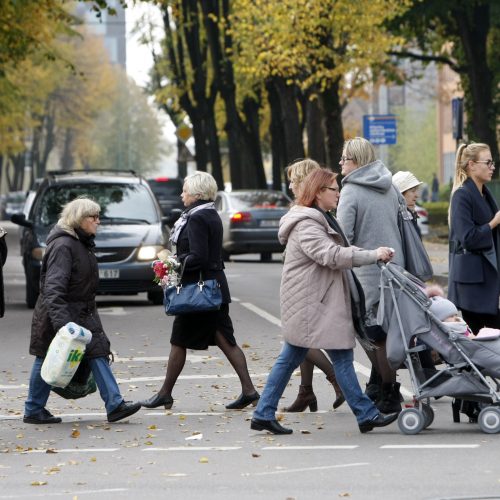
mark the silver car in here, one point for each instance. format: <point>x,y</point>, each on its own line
<point>250,219</point>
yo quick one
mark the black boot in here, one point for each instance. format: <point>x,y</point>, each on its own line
<point>305,398</point>
<point>373,389</point>
<point>389,401</point>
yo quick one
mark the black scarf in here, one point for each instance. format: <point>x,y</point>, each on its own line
<point>358,307</point>
<point>85,238</point>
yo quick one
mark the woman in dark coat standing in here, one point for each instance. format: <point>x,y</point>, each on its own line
<point>3,258</point>
<point>68,284</point>
<point>474,260</point>
<point>198,239</point>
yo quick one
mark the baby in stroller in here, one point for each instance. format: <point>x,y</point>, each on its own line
<point>414,323</point>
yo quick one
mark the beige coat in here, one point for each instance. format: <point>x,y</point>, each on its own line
<point>314,295</point>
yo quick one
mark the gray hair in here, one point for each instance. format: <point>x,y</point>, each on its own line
<point>360,151</point>
<point>75,211</point>
<point>201,185</point>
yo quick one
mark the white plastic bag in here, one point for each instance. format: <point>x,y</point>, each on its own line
<point>64,354</point>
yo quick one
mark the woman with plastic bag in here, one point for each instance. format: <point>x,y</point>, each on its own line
<point>68,284</point>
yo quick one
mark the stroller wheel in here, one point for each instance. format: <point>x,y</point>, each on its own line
<point>489,420</point>
<point>411,421</point>
<point>428,413</point>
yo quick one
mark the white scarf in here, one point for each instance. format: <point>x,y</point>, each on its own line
<point>183,219</point>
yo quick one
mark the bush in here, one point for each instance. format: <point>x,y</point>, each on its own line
<point>438,212</point>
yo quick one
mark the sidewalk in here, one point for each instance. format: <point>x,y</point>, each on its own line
<point>438,253</point>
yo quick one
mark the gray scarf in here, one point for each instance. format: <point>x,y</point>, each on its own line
<point>183,219</point>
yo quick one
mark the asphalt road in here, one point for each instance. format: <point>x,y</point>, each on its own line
<point>200,450</point>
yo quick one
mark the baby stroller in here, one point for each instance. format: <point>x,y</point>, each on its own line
<point>472,366</point>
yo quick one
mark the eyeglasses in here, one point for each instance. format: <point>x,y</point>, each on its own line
<point>488,163</point>
<point>343,159</point>
<point>335,190</point>
<point>94,217</point>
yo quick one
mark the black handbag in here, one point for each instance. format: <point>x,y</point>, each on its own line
<point>192,298</point>
<point>415,256</point>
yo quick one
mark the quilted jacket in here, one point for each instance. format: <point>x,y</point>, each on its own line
<point>314,294</point>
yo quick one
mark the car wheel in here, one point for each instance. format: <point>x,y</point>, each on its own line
<point>156,298</point>
<point>266,256</point>
<point>31,292</point>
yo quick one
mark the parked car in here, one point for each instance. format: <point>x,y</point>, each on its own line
<point>168,193</point>
<point>423,220</point>
<point>250,219</point>
<point>131,233</point>
<point>14,202</point>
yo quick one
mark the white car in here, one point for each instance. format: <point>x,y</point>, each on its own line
<point>423,220</point>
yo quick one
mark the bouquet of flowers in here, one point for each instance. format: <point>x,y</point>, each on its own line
<point>165,269</point>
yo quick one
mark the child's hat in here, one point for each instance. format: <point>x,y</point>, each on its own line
<point>442,308</point>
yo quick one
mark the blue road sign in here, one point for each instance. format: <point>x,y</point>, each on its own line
<point>380,129</point>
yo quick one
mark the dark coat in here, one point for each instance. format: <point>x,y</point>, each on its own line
<point>473,282</point>
<point>201,241</point>
<point>68,283</point>
<point>3,258</point>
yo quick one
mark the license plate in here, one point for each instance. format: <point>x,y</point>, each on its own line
<point>269,223</point>
<point>109,274</point>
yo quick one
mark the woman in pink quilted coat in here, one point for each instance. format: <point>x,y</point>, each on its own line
<point>316,301</point>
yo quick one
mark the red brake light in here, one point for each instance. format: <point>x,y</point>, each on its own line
<point>161,179</point>
<point>423,212</point>
<point>241,217</point>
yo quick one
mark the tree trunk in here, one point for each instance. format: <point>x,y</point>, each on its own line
<point>278,150</point>
<point>246,170</point>
<point>294,148</point>
<point>332,120</point>
<point>473,32</point>
<point>315,132</point>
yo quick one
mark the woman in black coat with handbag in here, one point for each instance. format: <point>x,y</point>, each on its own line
<point>68,284</point>
<point>474,259</point>
<point>3,258</point>
<point>198,239</point>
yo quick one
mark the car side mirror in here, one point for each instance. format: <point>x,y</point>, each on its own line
<point>20,220</point>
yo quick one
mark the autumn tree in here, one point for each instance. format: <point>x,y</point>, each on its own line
<point>465,35</point>
<point>325,49</point>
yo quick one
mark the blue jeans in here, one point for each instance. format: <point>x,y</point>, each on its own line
<point>39,390</point>
<point>290,358</point>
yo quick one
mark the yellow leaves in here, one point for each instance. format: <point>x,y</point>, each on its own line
<point>203,460</point>
<point>75,433</point>
<point>38,483</point>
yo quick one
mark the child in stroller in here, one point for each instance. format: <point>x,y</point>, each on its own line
<point>414,322</point>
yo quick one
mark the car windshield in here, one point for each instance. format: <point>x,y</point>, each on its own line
<point>259,199</point>
<point>171,188</point>
<point>120,203</point>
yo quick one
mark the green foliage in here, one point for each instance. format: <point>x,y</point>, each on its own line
<point>438,212</point>
<point>417,147</point>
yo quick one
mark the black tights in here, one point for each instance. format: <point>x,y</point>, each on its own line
<point>315,357</point>
<point>233,353</point>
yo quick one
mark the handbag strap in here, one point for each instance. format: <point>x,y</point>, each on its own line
<point>182,272</point>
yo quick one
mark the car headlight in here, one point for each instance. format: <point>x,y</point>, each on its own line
<point>37,253</point>
<point>149,252</point>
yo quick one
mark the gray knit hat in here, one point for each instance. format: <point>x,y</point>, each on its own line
<point>442,308</point>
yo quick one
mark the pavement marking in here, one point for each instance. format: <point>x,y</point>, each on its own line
<point>192,358</point>
<point>263,314</point>
<point>311,447</point>
<point>73,450</point>
<point>306,469</point>
<point>195,448</point>
<point>67,493</point>
<point>426,446</point>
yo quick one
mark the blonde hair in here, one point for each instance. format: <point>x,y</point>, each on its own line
<point>201,185</point>
<point>360,151</point>
<point>75,211</point>
<point>465,154</point>
<point>297,171</point>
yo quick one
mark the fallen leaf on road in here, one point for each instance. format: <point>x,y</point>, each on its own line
<point>203,460</point>
<point>75,433</point>
<point>38,483</point>
<point>255,455</point>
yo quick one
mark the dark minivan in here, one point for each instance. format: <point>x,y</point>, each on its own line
<point>168,192</point>
<point>131,233</point>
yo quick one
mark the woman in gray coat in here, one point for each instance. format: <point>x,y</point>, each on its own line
<point>314,295</point>
<point>368,214</point>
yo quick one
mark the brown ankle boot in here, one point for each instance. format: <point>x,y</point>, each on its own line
<point>305,398</point>
<point>339,397</point>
